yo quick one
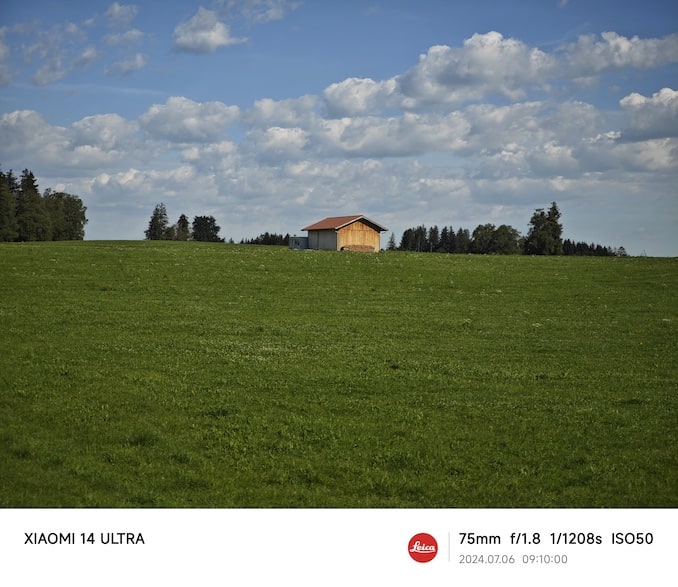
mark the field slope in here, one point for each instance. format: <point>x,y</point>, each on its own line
<point>137,374</point>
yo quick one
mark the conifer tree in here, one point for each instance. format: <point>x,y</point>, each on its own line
<point>8,225</point>
<point>545,234</point>
<point>158,225</point>
<point>182,230</point>
<point>33,221</point>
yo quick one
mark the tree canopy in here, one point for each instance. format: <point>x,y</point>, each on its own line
<point>544,238</point>
<point>204,228</point>
<point>158,225</point>
<point>545,234</point>
<point>25,215</point>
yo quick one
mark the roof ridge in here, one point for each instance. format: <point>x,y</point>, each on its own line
<point>337,222</point>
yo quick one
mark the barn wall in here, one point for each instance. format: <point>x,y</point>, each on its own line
<point>360,234</point>
<point>322,239</point>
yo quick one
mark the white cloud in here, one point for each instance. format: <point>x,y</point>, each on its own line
<point>133,180</point>
<point>27,135</point>
<point>292,112</point>
<point>184,121</point>
<point>212,158</point>
<point>50,72</point>
<point>490,65</point>
<point>86,56</point>
<point>359,96</point>
<point>5,69</point>
<point>262,11</point>
<point>128,66</point>
<point>486,64</point>
<point>652,117</point>
<point>57,50</point>
<point>107,132</point>
<point>127,38</point>
<point>203,33</point>
<point>590,56</point>
<point>407,135</point>
<point>276,143</point>
<point>121,15</point>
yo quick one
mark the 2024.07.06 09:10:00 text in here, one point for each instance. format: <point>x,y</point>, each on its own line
<point>510,559</point>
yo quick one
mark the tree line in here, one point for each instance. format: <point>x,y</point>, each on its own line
<point>203,228</point>
<point>26,215</point>
<point>543,238</point>
<point>268,238</point>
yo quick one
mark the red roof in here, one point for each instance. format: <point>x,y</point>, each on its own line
<point>337,222</point>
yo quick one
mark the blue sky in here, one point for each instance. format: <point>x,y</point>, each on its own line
<point>272,114</point>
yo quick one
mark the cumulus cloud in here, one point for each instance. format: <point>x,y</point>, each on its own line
<point>133,180</point>
<point>359,96</point>
<point>291,112</point>
<point>279,144</point>
<point>491,65</point>
<point>184,121</point>
<point>214,157</point>
<point>486,64</point>
<point>652,117</point>
<point>28,136</point>
<point>23,129</point>
<point>590,56</point>
<point>107,132</point>
<point>87,145</point>
<point>407,135</point>
<point>203,33</point>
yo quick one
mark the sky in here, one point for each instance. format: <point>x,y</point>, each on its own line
<point>272,114</point>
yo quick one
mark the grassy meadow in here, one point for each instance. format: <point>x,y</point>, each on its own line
<point>169,374</point>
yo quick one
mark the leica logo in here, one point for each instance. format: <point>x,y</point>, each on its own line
<point>422,547</point>
<point>419,547</point>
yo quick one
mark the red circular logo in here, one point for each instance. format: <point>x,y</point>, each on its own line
<point>422,547</point>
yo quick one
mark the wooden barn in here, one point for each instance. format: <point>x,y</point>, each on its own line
<point>345,233</point>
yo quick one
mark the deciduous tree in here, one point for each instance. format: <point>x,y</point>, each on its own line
<point>205,228</point>
<point>67,215</point>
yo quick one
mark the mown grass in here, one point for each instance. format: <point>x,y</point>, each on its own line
<point>191,374</point>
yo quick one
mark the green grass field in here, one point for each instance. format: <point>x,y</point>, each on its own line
<point>137,374</point>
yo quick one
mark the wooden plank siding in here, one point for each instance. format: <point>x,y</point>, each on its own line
<point>358,234</point>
